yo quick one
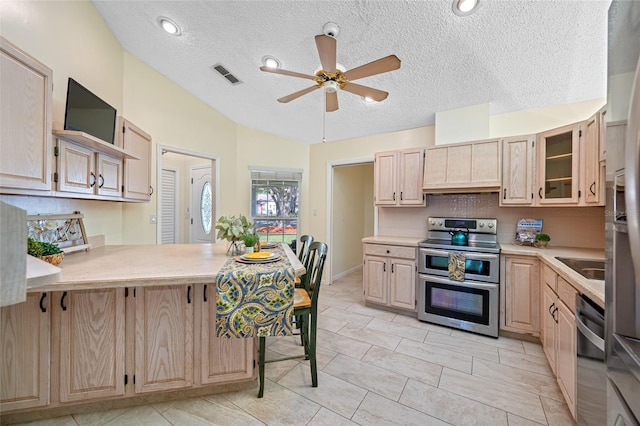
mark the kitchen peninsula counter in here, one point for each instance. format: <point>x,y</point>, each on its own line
<point>123,325</point>
<point>143,266</point>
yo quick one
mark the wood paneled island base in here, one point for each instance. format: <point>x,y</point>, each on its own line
<point>126,325</point>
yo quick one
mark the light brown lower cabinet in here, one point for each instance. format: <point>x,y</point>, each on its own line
<point>389,275</point>
<point>115,343</point>
<point>88,343</point>
<point>164,338</point>
<point>559,333</point>
<point>521,295</point>
<point>24,339</point>
<point>222,359</point>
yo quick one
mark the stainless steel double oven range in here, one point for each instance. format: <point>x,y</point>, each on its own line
<point>471,304</point>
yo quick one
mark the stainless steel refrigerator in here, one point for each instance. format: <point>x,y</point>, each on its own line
<point>622,224</point>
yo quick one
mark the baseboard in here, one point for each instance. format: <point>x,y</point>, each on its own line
<point>345,273</point>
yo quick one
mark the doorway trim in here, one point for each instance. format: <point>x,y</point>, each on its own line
<point>329,209</point>
<point>163,149</point>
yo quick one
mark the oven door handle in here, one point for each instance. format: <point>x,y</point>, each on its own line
<point>470,255</point>
<point>468,284</point>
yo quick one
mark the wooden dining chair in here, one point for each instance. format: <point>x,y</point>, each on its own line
<point>305,309</point>
<point>303,255</point>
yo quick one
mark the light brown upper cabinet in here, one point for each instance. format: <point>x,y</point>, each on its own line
<point>137,172</point>
<point>25,113</point>
<point>590,185</point>
<point>463,167</point>
<point>557,166</point>
<point>82,170</point>
<point>398,178</point>
<point>518,156</point>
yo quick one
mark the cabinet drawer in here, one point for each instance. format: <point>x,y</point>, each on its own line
<point>567,294</point>
<point>390,251</point>
<point>549,276</point>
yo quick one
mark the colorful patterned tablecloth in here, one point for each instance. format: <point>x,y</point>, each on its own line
<point>255,299</point>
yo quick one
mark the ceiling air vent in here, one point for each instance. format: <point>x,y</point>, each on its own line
<point>226,74</point>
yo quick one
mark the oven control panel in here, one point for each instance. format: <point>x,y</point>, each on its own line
<point>486,226</point>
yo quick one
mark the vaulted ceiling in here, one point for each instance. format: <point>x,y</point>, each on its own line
<point>513,54</point>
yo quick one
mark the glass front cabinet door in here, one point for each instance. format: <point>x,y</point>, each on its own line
<point>557,174</point>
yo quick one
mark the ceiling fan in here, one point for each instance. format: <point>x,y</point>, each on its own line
<point>332,78</point>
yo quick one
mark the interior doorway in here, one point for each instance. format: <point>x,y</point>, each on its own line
<point>188,215</point>
<point>352,214</point>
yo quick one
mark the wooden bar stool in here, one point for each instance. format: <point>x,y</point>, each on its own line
<point>305,309</point>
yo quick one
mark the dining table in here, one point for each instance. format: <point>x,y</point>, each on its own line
<point>256,293</point>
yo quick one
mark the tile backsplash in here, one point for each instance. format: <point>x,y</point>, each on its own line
<point>567,226</point>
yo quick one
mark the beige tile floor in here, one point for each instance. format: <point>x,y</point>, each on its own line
<point>376,368</point>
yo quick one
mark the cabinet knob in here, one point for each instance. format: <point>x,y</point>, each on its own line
<point>388,251</point>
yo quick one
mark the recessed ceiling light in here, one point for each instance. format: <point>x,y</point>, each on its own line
<point>169,26</point>
<point>465,7</point>
<point>270,61</point>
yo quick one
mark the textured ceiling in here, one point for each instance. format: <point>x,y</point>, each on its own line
<point>514,55</point>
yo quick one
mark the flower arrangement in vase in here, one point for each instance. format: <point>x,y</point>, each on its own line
<point>232,228</point>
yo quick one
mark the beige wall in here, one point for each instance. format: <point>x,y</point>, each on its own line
<point>175,118</point>
<point>35,27</point>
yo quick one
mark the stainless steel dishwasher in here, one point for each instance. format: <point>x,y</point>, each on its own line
<point>591,399</point>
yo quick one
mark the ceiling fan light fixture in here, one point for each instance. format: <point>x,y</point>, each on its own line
<point>330,86</point>
<point>169,26</point>
<point>465,7</point>
<point>270,62</point>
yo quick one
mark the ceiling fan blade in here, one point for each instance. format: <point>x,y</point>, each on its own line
<point>327,50</point>
<point>289,73</point>
<point>367,92</point>
<point>331,101</point>
<point>297,94</point>
<point>386,64</point>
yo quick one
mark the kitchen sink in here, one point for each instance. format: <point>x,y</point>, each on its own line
<point>592,269</point>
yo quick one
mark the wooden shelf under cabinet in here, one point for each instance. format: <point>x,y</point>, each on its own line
<point>92,142</point>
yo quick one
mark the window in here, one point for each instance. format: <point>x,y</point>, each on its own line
<point>275,203</point>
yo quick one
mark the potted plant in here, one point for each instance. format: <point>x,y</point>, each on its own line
<point>232,228</point>
<point>251,241</point>
<point>45,251</point>
<point>542,240</point>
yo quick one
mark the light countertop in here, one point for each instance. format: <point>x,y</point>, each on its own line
<point>390,239</point>
<point>594,289</point>
<point>145,265</point>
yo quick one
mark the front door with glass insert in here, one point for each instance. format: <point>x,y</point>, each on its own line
<point>202,205</point>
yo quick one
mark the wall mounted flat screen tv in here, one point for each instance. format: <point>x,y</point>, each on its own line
<point>85,112</point>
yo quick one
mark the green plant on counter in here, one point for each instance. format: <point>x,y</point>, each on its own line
<point>543,237</point>
<point>232,228</point>
<point>250,240</point>
<point>40,248</point>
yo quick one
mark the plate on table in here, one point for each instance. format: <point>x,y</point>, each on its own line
<point>268,245</point>
<point>258,257</point>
